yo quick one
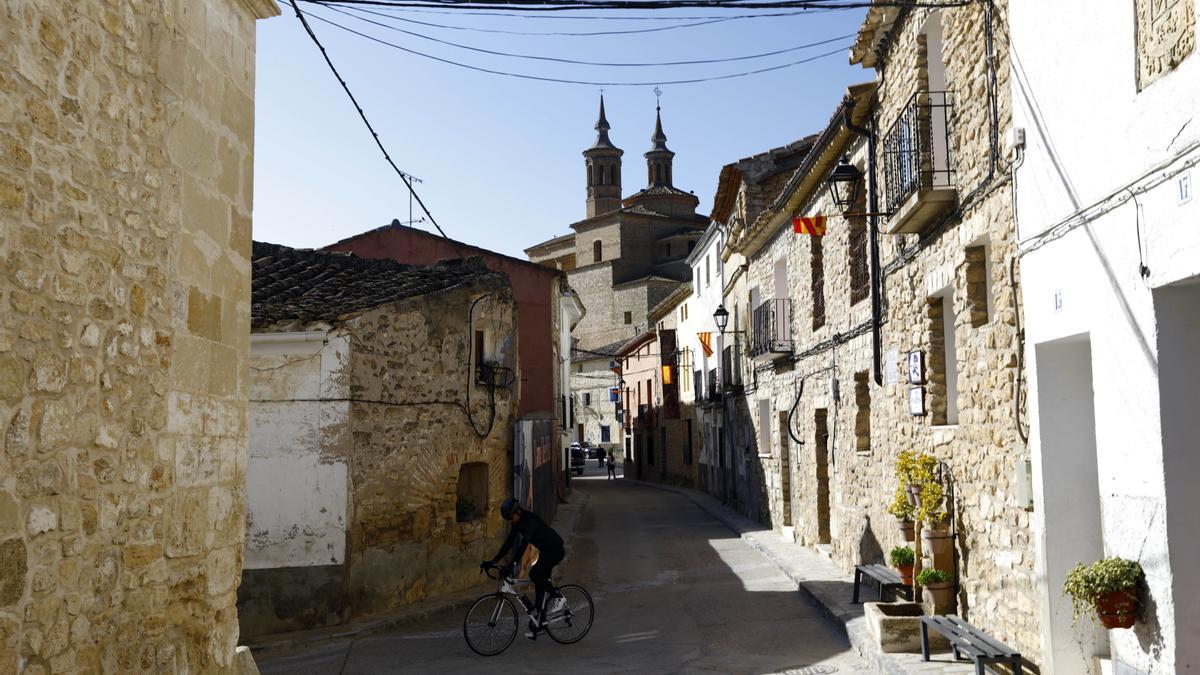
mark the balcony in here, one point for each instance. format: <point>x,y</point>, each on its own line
<point>917,164</point>
<point>645,416</point>
<point>714,386</point>
<point>771,337</point>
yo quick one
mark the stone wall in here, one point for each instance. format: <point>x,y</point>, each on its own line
<point>965,261</point>
<point>409,380</point>
<point>125,202</point>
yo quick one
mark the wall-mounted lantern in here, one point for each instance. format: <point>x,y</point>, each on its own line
<point>845,185</point>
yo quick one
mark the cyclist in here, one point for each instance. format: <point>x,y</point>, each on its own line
<point>533,530</point>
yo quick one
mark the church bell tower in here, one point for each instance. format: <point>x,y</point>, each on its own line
<point>603,161</point>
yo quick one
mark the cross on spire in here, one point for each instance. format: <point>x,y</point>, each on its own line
<point>657,98</point>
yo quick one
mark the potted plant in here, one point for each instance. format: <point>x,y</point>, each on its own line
<point>1109,585</point>
<point>903,511</point>
<point>937,584</point>
<point>915,470</point>
<point>935,538</point>
<point>902,559</point>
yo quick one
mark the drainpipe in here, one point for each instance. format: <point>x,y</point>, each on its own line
<point>873,224</point>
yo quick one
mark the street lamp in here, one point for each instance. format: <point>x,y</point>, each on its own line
<point>845,184</point>
<point>721,316</point>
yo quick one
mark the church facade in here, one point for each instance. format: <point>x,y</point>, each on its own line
<point>627,254</point>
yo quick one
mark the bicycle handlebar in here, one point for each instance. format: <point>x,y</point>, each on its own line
<point>487,567</point>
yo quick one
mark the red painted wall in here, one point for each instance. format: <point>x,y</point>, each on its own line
<point>533,288</point>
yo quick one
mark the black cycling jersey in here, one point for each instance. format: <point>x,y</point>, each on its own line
<point>531,530</point>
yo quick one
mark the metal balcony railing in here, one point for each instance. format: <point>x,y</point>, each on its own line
<point>772,328</point>
<point>916,149</point>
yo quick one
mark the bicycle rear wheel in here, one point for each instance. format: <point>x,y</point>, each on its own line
<point>490,624</point>
<point>576,618</point>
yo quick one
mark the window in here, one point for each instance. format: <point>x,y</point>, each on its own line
<point>862,413</point>
<point>587,398</point>
<point>707,272</point>
<point>597,249</point>
<point>479,347</point>
<point>942,362</point>
<point>667,249</point>
<point>628,318</point>
<point>764,428</point>
<point>471,494</point>
<point>605,434</point>
<point>978,285</point>
<point>860,284</point>
<point>817,260</point>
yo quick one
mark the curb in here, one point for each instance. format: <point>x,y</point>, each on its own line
<point>853,627</point>
<point>417,611</point>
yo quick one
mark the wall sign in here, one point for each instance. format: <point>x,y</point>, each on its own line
<point>892,368</point>
<point>916,367</point>
<point>916,401</point>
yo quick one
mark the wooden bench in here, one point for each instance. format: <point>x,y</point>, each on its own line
<point>886,577</point>
<point>969,640</point>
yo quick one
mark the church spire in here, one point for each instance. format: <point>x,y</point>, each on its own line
<point>602,129</point>
<point>603,162</point>
<point>659,158</point>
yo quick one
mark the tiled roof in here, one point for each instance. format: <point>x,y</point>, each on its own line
<point>302,285</point>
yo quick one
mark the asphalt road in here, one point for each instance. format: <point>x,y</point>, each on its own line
<point>675,592</point>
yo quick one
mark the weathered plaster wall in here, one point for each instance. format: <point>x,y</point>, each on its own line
<point>299,444</point>
<point>125,200</point>
<point>409,383</point>
<point>1086,286</point>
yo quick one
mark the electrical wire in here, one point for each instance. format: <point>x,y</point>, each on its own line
<point>558,80</point>
<point>403,176</point>
<point>560,17</point>
<point>571,5</point>
<point>596,63</point>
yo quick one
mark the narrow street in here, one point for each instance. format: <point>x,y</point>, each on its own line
<point>675,591</point>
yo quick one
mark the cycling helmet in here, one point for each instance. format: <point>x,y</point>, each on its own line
<point>509,507</point>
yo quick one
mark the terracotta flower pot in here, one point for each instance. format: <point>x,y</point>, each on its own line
<point>913,493</point>
<point>906,574</point>
<point>1117,609</point>
<point>907,529</point>
<point>942,594</point>
<point>936,543</point>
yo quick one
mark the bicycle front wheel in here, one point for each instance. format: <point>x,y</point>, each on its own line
<point>575,620</point>
<point>490,624</point>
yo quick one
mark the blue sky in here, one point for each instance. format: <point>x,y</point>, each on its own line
<point>499,156</point>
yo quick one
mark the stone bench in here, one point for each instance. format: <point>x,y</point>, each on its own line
<point>886,577</point>
<point>969,640</point>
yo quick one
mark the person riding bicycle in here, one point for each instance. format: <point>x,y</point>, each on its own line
<point>533,530</point>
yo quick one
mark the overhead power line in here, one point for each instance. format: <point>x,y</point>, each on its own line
<point>403,176</point>
<point>572,5</point>
<point>561,17</point>
<point>700,21</point>
<point>593,83</point>
<point>596,63</point>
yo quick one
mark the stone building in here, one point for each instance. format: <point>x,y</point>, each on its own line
<point>744,189</point>
<point>920,351</point>
<point>1110,259</point>
<point>549,309</point>
<point>627,254</point>
<point>382,401</point>
<point>596,406</point>
<point>126,139</point>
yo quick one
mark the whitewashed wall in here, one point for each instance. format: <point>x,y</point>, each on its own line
<point>1100,152</point>
<point>296,483</point>
<point>705,299</point>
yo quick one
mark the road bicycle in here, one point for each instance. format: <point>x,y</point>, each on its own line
<point>492,621</point>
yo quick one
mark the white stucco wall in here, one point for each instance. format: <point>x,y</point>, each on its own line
<point>1101,154</point>
<point>706,297</point>
<point>296,482</point>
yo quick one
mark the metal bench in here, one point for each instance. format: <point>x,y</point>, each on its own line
<point>969,640</point>
<point>886,577</point>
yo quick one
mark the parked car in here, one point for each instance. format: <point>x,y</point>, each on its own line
<point>593,451</point>
<point>578,461</point>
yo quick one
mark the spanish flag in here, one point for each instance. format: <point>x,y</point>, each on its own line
<point>814,226</point>
<point>706,343</point>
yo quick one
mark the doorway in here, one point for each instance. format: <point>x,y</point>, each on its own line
<point>785,469</point>
<point>821,464</point>
<point>1070,512</point>
<point>1177,310</point>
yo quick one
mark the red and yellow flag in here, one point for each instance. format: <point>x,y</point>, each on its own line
<point>706,343</point>
<point>814,226</point>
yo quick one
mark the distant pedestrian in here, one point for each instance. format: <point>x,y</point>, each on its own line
<point>612,466</point>
<point>600,459</point>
